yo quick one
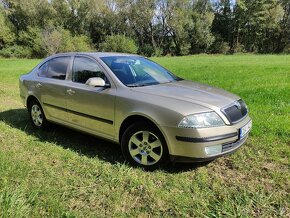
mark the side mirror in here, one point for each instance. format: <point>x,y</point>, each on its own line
<point>97,82</point>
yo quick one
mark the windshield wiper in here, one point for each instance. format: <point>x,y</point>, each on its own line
<point>140,84</point>
<point>137,84</point>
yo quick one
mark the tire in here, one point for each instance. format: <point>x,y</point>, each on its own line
<point>37,115</point>
<point>143,145</point>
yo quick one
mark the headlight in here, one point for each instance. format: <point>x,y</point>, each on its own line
<point>203,120</point>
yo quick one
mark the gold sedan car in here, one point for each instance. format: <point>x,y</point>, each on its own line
<point>154,115</point>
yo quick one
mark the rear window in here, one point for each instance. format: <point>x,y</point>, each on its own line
<point>55,68</point>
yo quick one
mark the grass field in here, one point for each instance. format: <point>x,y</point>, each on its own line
<point>63,173</point>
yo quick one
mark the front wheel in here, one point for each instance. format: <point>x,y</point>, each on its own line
<point>143,145</point>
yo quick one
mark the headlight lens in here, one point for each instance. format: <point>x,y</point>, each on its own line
<point>203,120</point>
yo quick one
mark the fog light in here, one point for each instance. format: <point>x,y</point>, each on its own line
<point>213,150</point>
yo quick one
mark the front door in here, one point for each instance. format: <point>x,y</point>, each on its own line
<point>91,108</point>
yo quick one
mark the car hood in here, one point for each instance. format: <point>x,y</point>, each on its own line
<point>193,92</point>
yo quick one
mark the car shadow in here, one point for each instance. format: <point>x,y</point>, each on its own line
<point>79,142</point>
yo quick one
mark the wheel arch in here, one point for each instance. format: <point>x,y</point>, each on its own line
<point>133,118</point>
<point>29,99</point>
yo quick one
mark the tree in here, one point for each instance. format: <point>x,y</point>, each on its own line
<point>252,22</point>
<point>73,15</point>
<point>107,19</point>
<point>6,34</point>
<point>177,27</point>
<point>23,14</point>
<point>140,18</point>
<point>284,34</point>
<point>223,24</point>
<point>172,18</point>
<point>200,35</point>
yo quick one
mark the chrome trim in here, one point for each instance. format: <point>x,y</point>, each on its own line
<point>230,105</point>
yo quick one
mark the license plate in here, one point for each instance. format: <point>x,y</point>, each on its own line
<point>245,129</point>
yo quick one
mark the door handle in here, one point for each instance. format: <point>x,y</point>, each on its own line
<point>38,85</point>
<point>70,91</point>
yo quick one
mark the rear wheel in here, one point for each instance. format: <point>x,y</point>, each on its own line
<point>143,145</point>
<point>37,116</point>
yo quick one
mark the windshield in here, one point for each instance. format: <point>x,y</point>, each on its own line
<point>135,71</point>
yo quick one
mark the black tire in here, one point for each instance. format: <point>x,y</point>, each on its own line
<point>37,116</point>
<point>149,152</point>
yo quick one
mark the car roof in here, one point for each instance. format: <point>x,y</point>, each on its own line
<point>95,54</point>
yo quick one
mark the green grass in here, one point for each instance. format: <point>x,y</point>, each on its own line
<point>63,173</point>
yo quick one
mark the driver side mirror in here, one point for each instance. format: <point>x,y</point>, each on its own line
<point>97,82</point>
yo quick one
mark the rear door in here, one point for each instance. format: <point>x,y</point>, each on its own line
<point>50,87</point>
<point>89,107</point>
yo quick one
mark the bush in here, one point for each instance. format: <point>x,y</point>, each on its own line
<point>149,51</point>
<point>287,49</point>
<point>119,43</point>
<point>32,38</point>
<point>16,51</point>
<point>184,49</point>
<point>220,47</point>
<point>82,43</point>
<point>52,40</point>
<point>71,43</point>
<point>66,41</point>
<point>239,48</point>
<point>146,50</point>
<point>158,52</point>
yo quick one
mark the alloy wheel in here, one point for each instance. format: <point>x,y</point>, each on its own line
<point>36,115</point>
<point>145,148</point>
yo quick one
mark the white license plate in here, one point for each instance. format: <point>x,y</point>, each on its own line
<point>245,129</point>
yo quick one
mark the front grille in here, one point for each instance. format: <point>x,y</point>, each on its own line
<point>227,147</point>
<point>236,111</point>
<point>232,145</point>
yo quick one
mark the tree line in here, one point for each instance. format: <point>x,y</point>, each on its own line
<point>37,28</point>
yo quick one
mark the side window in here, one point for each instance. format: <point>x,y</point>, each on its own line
<point>84,69</point>
<point>55,68</point>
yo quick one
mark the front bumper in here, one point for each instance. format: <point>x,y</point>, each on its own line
<point>187,145</point>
